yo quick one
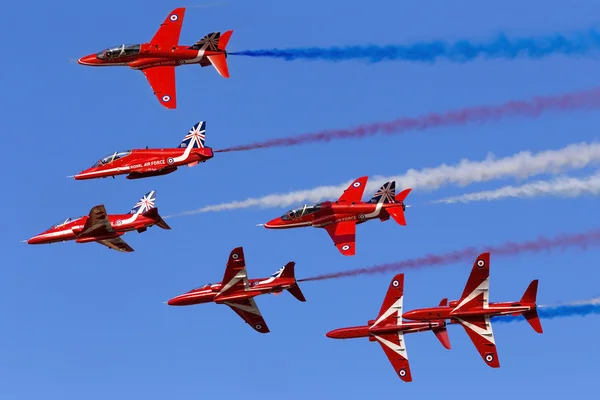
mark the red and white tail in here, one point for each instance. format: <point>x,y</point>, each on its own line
<point>288,272</point>
<point>398,212</point>
<point>215,45</point>
<point>530,296</point>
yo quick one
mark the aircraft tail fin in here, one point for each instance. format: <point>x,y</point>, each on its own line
<point>158,221</point>
<point>530,296</point>
<point>195,137</point>
<point>385,194</point>
<point>288,272</point>
<point>146,203</point>
<point>217,43</point>
<point>396,211</point>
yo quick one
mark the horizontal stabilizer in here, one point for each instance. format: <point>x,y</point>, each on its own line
<point>220,64</point>
<point>442,335</point>
<point>534,320</point>
<point>288,272</point>
<point>398,214</point>
<point>296,292</point>
<point>153,215</point>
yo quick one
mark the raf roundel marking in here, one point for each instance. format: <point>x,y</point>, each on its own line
<point>402,372</point>
<point>361,216</point>
<point>173,17</point>
<point>345,247</point>
<point>258,327</point>
<point>480,263</point>
<point>356,184</point>
<point>170,160</point>
<point>395,283</point>
<point>489,358</point>
<point>235,256</point>
<point>119,222</point>
<point>166,98</point>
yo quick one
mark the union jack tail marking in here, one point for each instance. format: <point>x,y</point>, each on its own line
<point>195,137</point>
<point>209,42</point>
<point>385,194</point>
<point>146,203</point>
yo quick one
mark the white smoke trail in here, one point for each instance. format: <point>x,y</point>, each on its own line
<point>521,165</point>
<point>562,187</point>
<point>592,302</point>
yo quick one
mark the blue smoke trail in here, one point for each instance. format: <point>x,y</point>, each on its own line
<point>568,310</point>
<point>577,43</point>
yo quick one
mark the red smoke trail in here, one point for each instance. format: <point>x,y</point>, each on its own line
<point>561,242</point>
<point>532,109</point>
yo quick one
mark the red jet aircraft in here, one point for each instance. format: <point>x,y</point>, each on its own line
<point>158,59</point>
<point>340,218</point>
<point>105,229</point>
<point>474,311</point>
<point>143,163</point>
<point>238,292</point>
<point>389,329</point>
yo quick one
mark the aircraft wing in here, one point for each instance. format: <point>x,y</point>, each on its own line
<point>97,223</point>
<point>248,310</point>
<point>391,308</point>
<point>394,348</point>
<point>344,236</point>
<point>355,191</point>
<point>162,80</point>
<point>235,277</point>
<point>168,33</point>
<point>476,293</point>
<point>116,244</point>
<point>479,329</point>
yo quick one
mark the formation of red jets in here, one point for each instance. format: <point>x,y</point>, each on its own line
<point>157,60</point>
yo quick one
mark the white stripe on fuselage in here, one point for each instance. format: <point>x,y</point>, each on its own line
<point>368,216</point>
<point>198,58</point>
<point>66,232</point>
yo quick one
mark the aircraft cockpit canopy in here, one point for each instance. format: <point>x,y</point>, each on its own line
<point>202,287</point>
<point>63,222</point>
<point>111,157</point>
<point>300,212</point>
<point>114,52</point>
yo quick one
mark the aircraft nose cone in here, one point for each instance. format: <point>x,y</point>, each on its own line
<point>274,223</point>
<point>87,60</point>
<point>335,334</point>
<point>173,302</point>
<point>177,301</point>
<point>34,240</point>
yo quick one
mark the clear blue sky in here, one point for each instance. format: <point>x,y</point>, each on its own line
<point>81,321</point>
